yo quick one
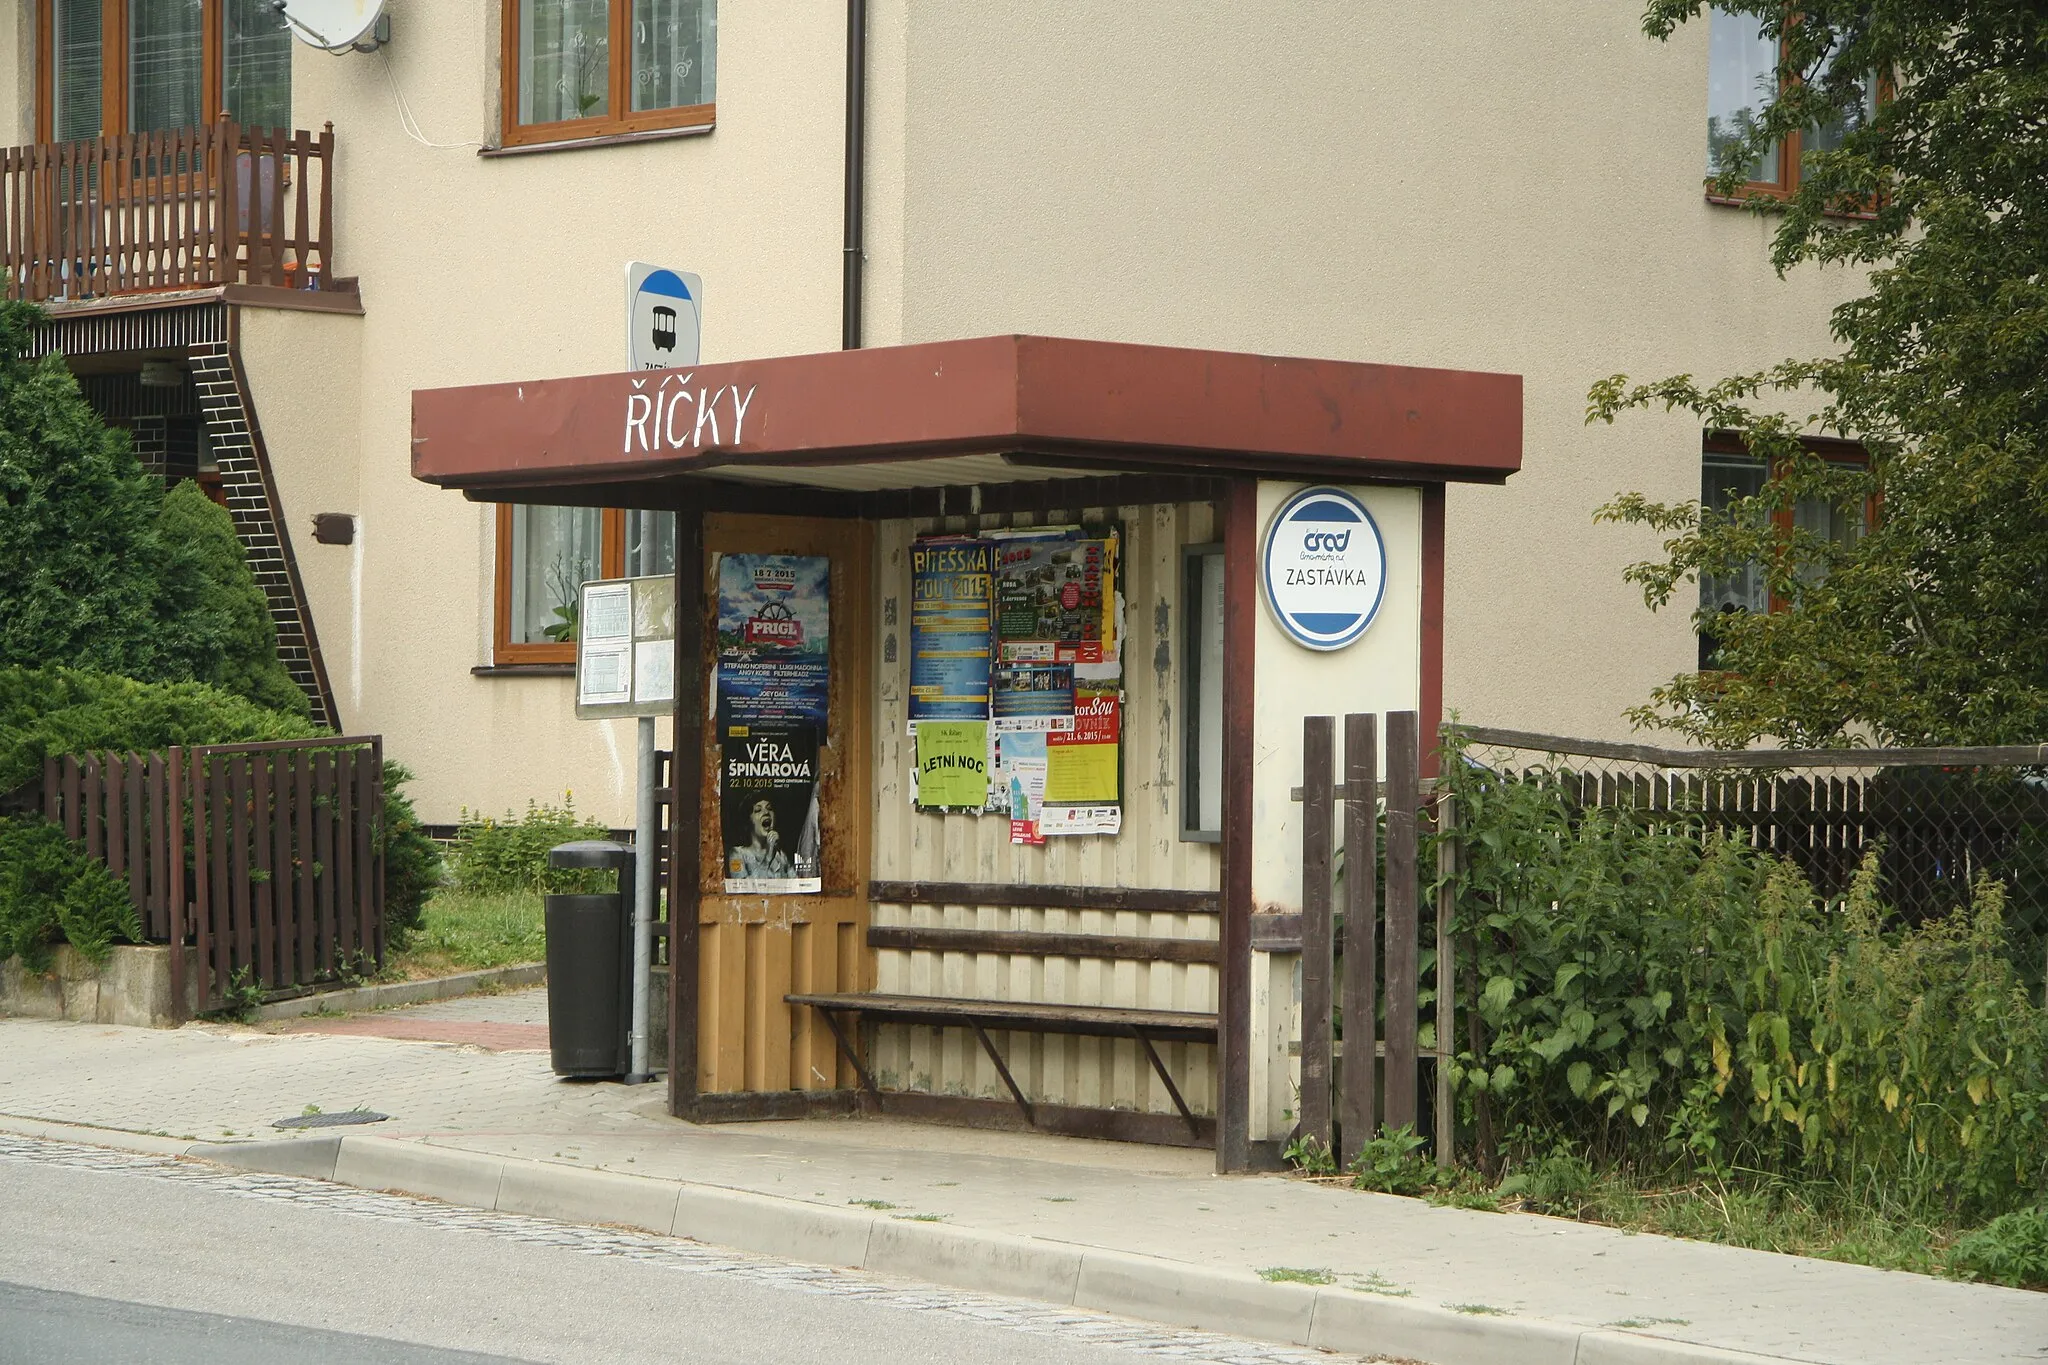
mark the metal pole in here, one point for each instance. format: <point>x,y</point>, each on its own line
<point>644,836</point>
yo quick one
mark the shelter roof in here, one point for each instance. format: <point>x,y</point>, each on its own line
<point>978,412</point>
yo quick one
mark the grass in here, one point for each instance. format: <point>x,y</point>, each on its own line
<point>1775,1215</point>
<point>1478,1310</point>
<point>1376,1283</point>
<point>465,932</point>
<point>871,1203</point>
<point>1743,1209</point>
<point>1287,1274</point>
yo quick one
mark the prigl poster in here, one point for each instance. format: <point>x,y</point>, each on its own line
<point>768,809</point>
<point>950,629</point>
<point>774,640</point>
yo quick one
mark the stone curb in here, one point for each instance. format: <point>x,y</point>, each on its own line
<point>397,993</point>
<point>1148,1288</point>
<point>1145,1287</point>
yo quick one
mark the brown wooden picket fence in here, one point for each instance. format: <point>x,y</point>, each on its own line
<point>1379,950</point>
<point>265,857</point>
<point>181,208</point>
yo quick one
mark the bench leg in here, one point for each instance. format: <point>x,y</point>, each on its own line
<point>1003,1069</point>
<point>846,1050</point>
<point>1159,1065</point>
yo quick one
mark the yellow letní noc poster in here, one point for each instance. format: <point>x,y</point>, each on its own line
<point>952,764</point>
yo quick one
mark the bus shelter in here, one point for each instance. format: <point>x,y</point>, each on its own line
<point>990,668</point>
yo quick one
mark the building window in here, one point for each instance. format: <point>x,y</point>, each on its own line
<point>1742,78</point>
<point>546,554</point>
<point>137,66</point>
<point>579,69</point>
<point>1201,634</point>
<point>1728,475</point>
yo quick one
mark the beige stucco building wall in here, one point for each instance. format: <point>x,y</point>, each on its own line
<point>1491,187</point>
<point>476,270</point>
<point>1511,188</point>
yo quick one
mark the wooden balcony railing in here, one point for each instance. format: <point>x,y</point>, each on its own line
<point>186,208</point>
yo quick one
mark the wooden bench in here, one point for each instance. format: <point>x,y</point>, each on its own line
<point>1147,1027</point>
<point>1098,1021</point>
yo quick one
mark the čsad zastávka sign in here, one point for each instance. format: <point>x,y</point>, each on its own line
<point>1323,568</point>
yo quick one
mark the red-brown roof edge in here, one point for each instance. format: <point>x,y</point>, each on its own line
<point>1213,411</point>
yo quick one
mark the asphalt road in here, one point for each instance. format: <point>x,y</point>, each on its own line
<point>114,1257</point>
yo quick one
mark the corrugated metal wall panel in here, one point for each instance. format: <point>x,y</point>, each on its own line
<point>919,846</point>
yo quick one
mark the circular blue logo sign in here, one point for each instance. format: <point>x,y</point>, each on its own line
<point>1324,568</point>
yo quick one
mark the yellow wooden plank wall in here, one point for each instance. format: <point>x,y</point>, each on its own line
<point>920,846</point>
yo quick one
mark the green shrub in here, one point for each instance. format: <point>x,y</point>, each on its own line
<point>69,711</point>
<point>1656,996</point>
<point>511,854</point>
<point>2012,1250</point>
<point>412,861</point>
<point>99,567</point>
<point>81,563</point>
<point>51,892</point>
<point>1559,1183</point>
<point>225,635</point>
<point>46,711</point>
<point>1392,1163</point>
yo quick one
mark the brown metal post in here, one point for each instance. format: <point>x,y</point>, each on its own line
<point>1403,799</point>
<point>1240,518</point>
<point>1360,1117</point>
<point>1446,976</point>
<point>686,787</point>
<point>1318,797</point>
<point>175,848</point>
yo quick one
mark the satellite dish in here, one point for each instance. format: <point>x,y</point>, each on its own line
<point>337,25</point>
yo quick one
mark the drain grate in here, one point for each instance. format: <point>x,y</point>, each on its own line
<point>341,1120</point>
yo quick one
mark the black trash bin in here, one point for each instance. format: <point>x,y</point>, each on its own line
<point>590,974</point>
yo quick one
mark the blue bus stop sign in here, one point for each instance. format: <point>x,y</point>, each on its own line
<point>1323,568</point>
<point>663,317</point>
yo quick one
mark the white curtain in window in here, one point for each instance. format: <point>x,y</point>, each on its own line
<point>1742,77</point>
<point>555,550</point>
<point>1725,478</point>
<point>675,48</point>
<point>650,543</point>
<point>565,60</point>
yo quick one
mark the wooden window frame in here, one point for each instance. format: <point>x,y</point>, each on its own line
<point>619,89</point>
<point>1828,448</point>
<point>114,103</point>
<point>611,564</point>
<point>1790,150</point>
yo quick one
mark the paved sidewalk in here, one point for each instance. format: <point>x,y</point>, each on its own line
<point>511,1021</point>
<point>1135,1230</point>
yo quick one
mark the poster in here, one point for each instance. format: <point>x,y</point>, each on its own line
<point>768,809</point>
<point>952,765</point>
<point>774,640</point>
<point>1033,697</point>
<point>1020,778</point>
<point>950,629</point>
<point>1054,597</point>
<point>1081,763</point>
<point>626,647</point>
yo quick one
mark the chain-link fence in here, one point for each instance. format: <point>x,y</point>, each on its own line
<point>1940,820</point>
